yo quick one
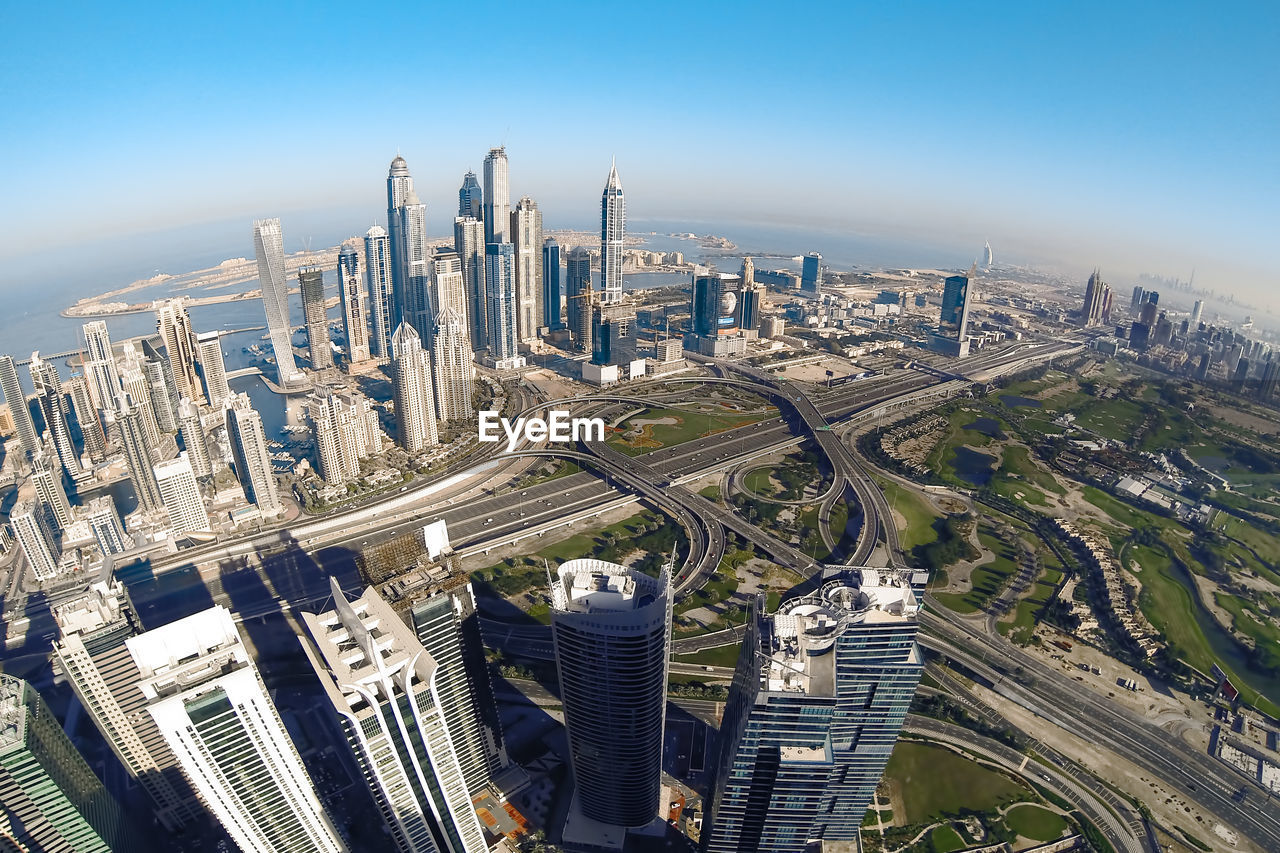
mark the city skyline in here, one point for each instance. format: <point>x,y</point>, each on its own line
<point>1194,198</point>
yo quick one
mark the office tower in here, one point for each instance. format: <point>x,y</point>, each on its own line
<point>586,303</point>
<point>251,455</point>
<point>92,655</point>
<point>749,305</point>
<point>268,246</point>
<point>820,693</point>
<point>173,324</point>
<point>612,631</point>
<point>355,316</point>
<point>715,309</point>
<point>577,280</point>
<point>194,443</point>
<point>551,285</point>
<point>1197,311</point>
<point>35,538</point>
<point>134,382</point>
<point>613,334</point>
<point>1150,309</point>
<point>17,400</point>
<point>213,370</point>
<point>613,225</point>
<point>526,236</point>
<point>50,800</point>
<point>501,302</point>
<point>448,283</point>
<point>1139,335</point>
<point>57,415</point>
<point>1097,301</point>
<point>1241,374</point>
<point>104,521</point>
<point>811,274</point>
<point>1106,303</point>
<point>180,494</point>
<point>497,197</point>
<point>468,242</point>
<point>100,365</point>
<point>1138,298</point>
<point>162,389</point>
<point>377,276</point>
<point>1162,334</point>
<point>314,314</point>
<point>382,685</point>
<point>446,623</point>
<point>955,307</point>
<point>470,197</point>
<point>92,437</point>
<point>414,397</point>
<point>1270,378</point>
<point>206,697</point>
<point>127,416</point>
<point>47,478</point>
<point>415,294</point>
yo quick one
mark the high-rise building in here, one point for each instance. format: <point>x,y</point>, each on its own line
<point>1150,309</point>
<point>448,283</point>
<point>134,382</point>
<point>17,401</point>
<point>612,630</point>
<point>1097,301</point>
<point>210,705</point>
<point>377,276</point>
<point>383,687</point>
<point>46,476</point>
<point>452,360</point>
<point>251,455</point>
<point>1270,378</point>
<point>748,272</point>
<point>104,521</point>
<point>56,412</point>
<point>268,246</point>
<point>613,334</point>
<point>414,398</point>
<point>577,280</point>
<point>100,365</point>
<point>38,542</point>
<point>820,693</point>
<point>181,495</point>
<point>1138,298</point>
<point>314,314</point>
<point>500,280</point>
<point>49,797</point>
<point>91,434</point>
<point>749,308</point>
<point>716,308</point>
<point>342,424</point>
<point>468,242</point>
<point>355,307</point>
<point>987,258</point>
<point>497,197</point>
<point>161,386</point>
<point>173,324</point>
<point>471,197</point>
<point>551,284</point>
<point>191,428</point>
<point>415,295</point>
<point>399,185</point>
<point>955,307</point>
<point>613,225</point>
<point>213,370</point>
<point>811,274</point>
<point>526,236</point>
<point>127,416</point>
<point>92,655</point>
<point>1197,311</point>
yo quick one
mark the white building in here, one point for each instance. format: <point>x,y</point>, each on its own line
<point>268,245</point>
<point>251,455</point>
<point>35,539</point>
<point>497,197</point>
<point>213,369</point>
<point>415,400</point>
<point>181,495</point>
<point>613,224</point>
<point>526,236</point>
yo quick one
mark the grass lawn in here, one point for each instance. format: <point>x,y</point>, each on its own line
<point>944,839</point>
<point>712,492</point>
<point>689,424</point>
<point>915,511</point>
<point>1125,514</point>
<point>1035,823</point>
<point>757,480</point>
<point>1116,419</point>
<point>1023,623</point>
<point>719,656</point>
<point>987,579</point>
<point>937,783</point>
<point>1018,463</point>
<point>1264,542</point>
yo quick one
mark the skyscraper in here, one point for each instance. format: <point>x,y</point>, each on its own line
<point>818,698</point>
<point>501,283</point>
<point>355,308</point>
<point>613,224</point>
<point>415,294</point>
<point>127,416</point>
<point>49,797</point>
<point>56,412</point>
<point>1150,309</point>
<point>987,258</point>
<point>377,275</point>
<point>311,285</point>
<point>268,246</point>
<point>551,284</point>
<point>251,455</point>
<point>715,309</point>
<point>612,630</point>
<point>468,242</point>
<point>46,476</point>
<point>38,542</point>
<point>399,185</point>
<point>470,197</point>
<point>451,354</point>
<point>382,685</point>
<point>210,705</point>
<point>161,388</point>
<point>526,235</point>
<point>340,423</point>
<point>955,307</point>
<point>1197,311</point>
<point>181,495</point>
<point>811,274</point>
<point>173,324</point>
<point>134,382</point>
<point>1139,297</point>
<point>414,397</point>
<point>17,400</point>
<point>613,334</point>
<point>213,370</point>
<point>497,197</point>
<point>1097,301</point>
<point>104,521</point>
<point>577,279</point>
<point>448,283</point>
<point>100,364</point>
<point>92,655</point>
<point>95,440</point>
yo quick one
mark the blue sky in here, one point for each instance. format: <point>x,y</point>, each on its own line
<point>1140,136</point>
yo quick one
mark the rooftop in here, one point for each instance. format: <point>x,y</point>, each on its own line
<point>590,586</point>
<point>97,608</point>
